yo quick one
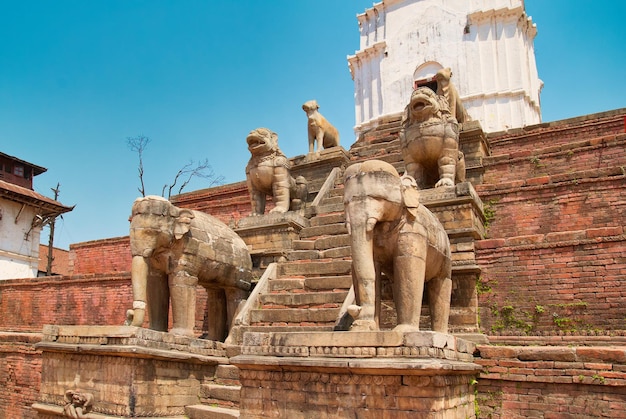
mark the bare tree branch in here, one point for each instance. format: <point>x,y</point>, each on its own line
<point>138,144</point>
<point>201,170</point>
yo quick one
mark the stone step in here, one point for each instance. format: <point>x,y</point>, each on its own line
<point>286,284</point>
<point>322,267</point>
<point>227,373</point>
<point>304,299</point>
<point>303,255</point>
<point>281,329</point>
<point>308,244</point>
<point>328,282</point>
<point>336,191</point>
<point>336,253</point>
<point>328,208</point>
<point>295,315</point>
<point>316,283</point>
<point>221,392</point>
<point>324,230</point>
<point>201,411</point>
<point>332,242</point>
<point>332,199</point>
<point>326,219</point>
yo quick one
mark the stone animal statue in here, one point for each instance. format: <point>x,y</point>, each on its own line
<point>268,173</point>
<point>77,405</point>
<point>319,129</point>
<point>429,140</point>
<point>173,250</point>
<point>392,233</point>
<point>447,89</point>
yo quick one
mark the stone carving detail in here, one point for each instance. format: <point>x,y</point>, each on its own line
<point>429,138</point>
<point>319,129</point>
<point>176,249</point>
<point>447,89</point>
<point>392,233</point>
<point>268,173</point>
<point>77,405</point>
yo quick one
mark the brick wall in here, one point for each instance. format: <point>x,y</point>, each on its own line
<point>553,261</point>
<point>20,374</point>
<point>96,299</point>
<point>228,203</point>
<point>100,256</point>
<point>552,381</point>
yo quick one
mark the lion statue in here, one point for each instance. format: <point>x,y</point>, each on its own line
<point>446,89</point>
<point>429,139</point>
<point>268,173</point>
<point>319,129</point>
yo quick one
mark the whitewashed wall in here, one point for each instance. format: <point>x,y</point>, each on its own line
<point>19,254</point>
<point>487,43</point>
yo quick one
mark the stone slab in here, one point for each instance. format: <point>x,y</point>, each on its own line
<point>129,371</point>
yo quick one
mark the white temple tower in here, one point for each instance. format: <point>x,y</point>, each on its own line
<point>488,44</point>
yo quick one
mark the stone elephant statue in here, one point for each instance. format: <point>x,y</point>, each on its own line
<point>392,233</point>
<point>268,173</point>
<point>173,250</point>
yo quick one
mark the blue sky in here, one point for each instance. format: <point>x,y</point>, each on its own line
<point>79,77</point>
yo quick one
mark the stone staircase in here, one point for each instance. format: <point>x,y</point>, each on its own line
<point>308,289</point>
<point>219,398</point>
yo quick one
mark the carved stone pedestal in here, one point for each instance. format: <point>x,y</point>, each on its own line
<point>124,371</point>
<point>356,374</point>
<point>460,210</point>
<point>269,237</point>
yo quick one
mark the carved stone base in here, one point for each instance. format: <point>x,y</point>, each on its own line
<point>128,371</point>
<point>356,374</point>
<point>269,237</point>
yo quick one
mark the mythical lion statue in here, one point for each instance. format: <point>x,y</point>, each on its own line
<point>430,141</point>
<point>268,173</point>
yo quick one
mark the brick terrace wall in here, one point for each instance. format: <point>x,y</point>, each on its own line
<point>97,299</point>
<point>229,203</point>
<point>100,256</point>
<point>26,305</point>
<point>20,374</point>
<point>555,257</point>
<point>552,381</point>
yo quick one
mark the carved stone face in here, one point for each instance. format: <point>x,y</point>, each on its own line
<point>310,107</point>
<point>423,105</point>
<point>262,141</point>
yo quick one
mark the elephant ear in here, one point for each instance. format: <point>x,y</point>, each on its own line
<point>410,194</point>
<point>182,223</point>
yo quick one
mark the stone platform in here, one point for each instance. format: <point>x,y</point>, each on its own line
<point>356,374</point>
<point>127,371</point>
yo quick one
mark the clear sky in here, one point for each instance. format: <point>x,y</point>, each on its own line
<point>79,77</point>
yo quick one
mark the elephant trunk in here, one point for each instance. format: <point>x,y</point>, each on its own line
<point>139,278</point>
<point>364,274</point>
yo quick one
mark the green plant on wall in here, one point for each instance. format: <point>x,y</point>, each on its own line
<point>565,315</point>
<point>509,317</point>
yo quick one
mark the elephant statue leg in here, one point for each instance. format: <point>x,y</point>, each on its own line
<point>409,277</point>
<point>183,293</point>
<point>234,298</point>
<point>216,312</point>
<point>439,291</point>
<point>158,294</point>
<point>364,279</point>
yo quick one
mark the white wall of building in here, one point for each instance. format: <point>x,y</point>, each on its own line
<point>19,244</point>
<point>488,44</point>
